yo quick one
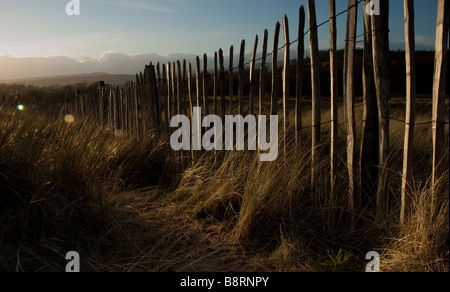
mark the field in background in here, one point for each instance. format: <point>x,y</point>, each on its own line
<point>130,206</point>
<point>112,79</point>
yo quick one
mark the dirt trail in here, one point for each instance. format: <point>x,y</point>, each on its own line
<point>192,246</point>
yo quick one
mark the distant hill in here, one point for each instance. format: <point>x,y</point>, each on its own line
<point>112,79</point>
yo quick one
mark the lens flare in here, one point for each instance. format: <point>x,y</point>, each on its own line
<point>69,119</point>
<point>20,107</point>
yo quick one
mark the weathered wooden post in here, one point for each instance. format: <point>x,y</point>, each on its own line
<point>169,91</point>
<point>299,78</point>
<point>286,65</point>
<point>191,105</point>
<point>161,94</point>
<point>205,85</point>
<point>316,95</point>
<point>241,78</point>
<point>147,109</point>
<point>439,106</point>
<point>380,51</point>
<point>275,81</point>
<point>334,98</point>
<point>179,86</point>
<point>174,89</point>
<point>145,98</point>
<point>222,85</point>
<point>184,88</point>
<point>354,200</point>
<point>370,139</point>
<point>216,82</point>
<point>154,92</point>
<point>410,51</point>
<point>252,76</point>
<point>231,82</point>
<point>198,87</point>
<point>263,71</point>
<point>165,96</point>
<point>179,101</point>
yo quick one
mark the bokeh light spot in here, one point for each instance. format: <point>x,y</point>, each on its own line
<point>69,119</point>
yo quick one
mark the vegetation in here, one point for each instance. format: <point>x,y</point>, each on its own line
<point>128,205</point>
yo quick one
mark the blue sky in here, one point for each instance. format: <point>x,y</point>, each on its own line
<point>30,28</point>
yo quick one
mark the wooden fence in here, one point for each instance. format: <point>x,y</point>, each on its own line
<point>165,90</point>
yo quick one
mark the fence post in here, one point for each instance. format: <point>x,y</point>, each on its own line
<point>191,105</point>
<point>179,81</point>
<point>316,95</point>
<point>263,71</point>
<point>370,139</point>
<point>169,91</point>
<point>241,78</point>
<point>174,89</point>
<point>380,51</point>
<point>350,97</point>
<point>334,98</point>
<point>205,85</point>
<point>184,88</point>
<point>287,58</point>
<point>410,49</point>
<point>222,85</point>
<point>216,78</point>
<point>155,94</point>
<point>275,81</point>
<point>198,87</point>
<point>160,84</point>
<point>179,101</point>
<point>252,76</point>
<point>439,106</point>
<point>299,78</point>
<point>222,89</point>
<point>230,81</point>
<point>165,96</point>
<point>145,98</point>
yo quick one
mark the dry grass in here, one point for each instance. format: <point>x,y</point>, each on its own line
<point>77,187</point>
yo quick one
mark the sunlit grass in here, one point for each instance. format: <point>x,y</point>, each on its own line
<point>74,186</point>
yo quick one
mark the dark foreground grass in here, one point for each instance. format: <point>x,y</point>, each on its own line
<point>77,187</point>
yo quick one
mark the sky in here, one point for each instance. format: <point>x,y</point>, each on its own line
<point>38,38</point>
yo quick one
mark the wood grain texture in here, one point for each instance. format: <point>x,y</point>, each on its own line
<point>439,106</point>
<point>380,50</point>
<point>316,95</point>
<point>410,53</point>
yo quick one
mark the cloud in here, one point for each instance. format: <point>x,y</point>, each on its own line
<point>109,62</point>
<point>425,40</point>
<point>155,5</point>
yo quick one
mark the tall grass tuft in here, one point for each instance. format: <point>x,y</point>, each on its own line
<point>78,187</point>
